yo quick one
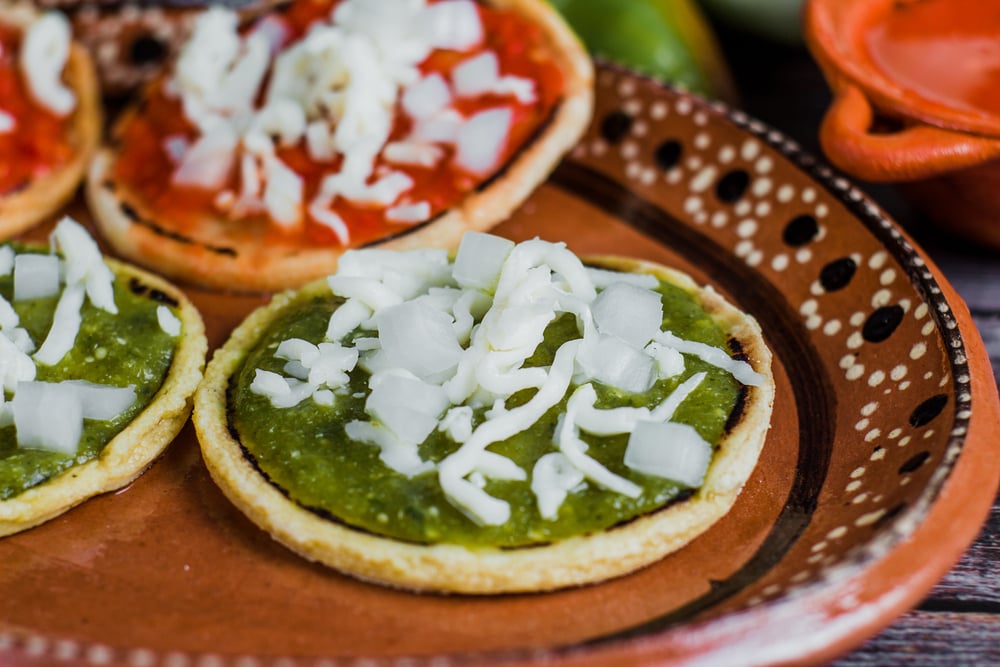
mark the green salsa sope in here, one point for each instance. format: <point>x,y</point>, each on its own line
<point>305,451</point>
<point>125,349</point>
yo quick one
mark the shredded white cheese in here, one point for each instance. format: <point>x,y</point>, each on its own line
<point>447,344</point>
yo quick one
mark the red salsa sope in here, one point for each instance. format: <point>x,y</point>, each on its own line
<point>144,165</point>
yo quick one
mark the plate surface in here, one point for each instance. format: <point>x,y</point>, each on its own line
<point>878,470</point>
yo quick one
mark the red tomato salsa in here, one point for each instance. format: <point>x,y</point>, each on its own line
<point>39,141</point>
<point>144,165</point>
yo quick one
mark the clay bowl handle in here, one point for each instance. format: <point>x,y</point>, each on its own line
<point>914,153</point>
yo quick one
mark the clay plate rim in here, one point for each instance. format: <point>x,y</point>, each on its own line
<point>854,598</point>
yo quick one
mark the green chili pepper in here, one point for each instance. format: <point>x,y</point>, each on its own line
<point>666,39</point>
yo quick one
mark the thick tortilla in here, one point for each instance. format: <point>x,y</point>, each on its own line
<point>130,452</point>
<point>450,568</point>
<point>226,255</point>
<point>28,206</point>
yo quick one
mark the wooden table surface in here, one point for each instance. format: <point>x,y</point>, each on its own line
<point>959,622</point>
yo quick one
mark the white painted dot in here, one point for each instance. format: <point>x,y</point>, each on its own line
<point>814,322</point>
<point>928,375</point>
<point>878,454</point>
<point>847,360</point>
<point>674,176</point>
<point>701,217</point>
<point>868,409</point>
<point>779,262</point>
<point>819,546</point>
<point>905,305</point>
<point>141,657</point>
<point>98,654</point>
<point>832,327</point>
<point>599,147</point>
<point>876,378</point>
<point>629,150</point>
<point>771,589</point>
<point>861,425</point>
<point>920,311</point>
<point>694,163</point>
<point>743,248</point>
<point>887,276</point>
<point>626,88</point>
<point>640,129</point>
<point>648,176</point>
<point>894,433</point>
<point>870,518</point>
<point>764,165</point>
<point>853,486</point>
<point>65,649</point>
<point>809,306</point>
<point>683,106</point>
<point>750,150</point>
<point>898,373</point>
<point>877,260</point>
<point>702,140</point>
<point>719,219</point>
<point>762,209</point>
<point>928,434</point>
<point>36,646</point>
<point>633,170</point>
<point>881,298</point>
<point>872,435</point>
<point>755,258</point>
<point>809,195</point>
<point>815,558</point>
<point>822,210</point>
<point>857,319</point>
<point>799,577</point>
<point>742,208</point>
<point>855,372</point>
<point>837,533</point>
<point>858,472</point>
<point>633,107</point>
<point>860,498</point>
<point>659,110</point>
<point>803,255</point>
<point>693,204</point>
<point>727,154</point>
<point>928,328</point>
<point>855,340</point>
<point>747,228</point>
<point>210,660</point>
<point>904,441</point>
<point>786,193</point>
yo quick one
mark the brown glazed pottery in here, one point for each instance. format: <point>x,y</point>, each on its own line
<point>879,468</point>
<point>916,100</point>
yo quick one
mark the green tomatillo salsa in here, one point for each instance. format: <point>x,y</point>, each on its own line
<point>305,451</point>
<point>126,349</point>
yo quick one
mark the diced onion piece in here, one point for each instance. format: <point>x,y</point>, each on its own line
<point>368,291</point>
<point>406,406</point>
<point>413,153</point>
<point>476,75</point>
<point>670,450</point>
<point>612,361</point>
<point>283,193</point>
<point>9,318</point>
<point>551,480</point>
<point>669,362</point>
<point>480,259</point>
<point>65,327</point>
<point>15,365</point>
<point>170,323</point>
<point>426,97</point>
<point>443,127</point>
<point>43,56</point>
<point>452,25</point>
<point>48,416</point>
<point>419,338</point>
<point>99,401</point>
<point>634,314</point>
<point>481,140</point>
<point>35,276</point>
<point>209,160</point>
<point>6,260</point>
<point>7,122</point>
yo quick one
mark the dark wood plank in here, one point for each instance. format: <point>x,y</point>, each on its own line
<point>932,639</point>
<point>973,584</point>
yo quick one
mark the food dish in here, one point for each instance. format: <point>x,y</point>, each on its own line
<point>448,133</point>
<point>101,365</point>
<point>800,555</point>
<point>50,117</point>
<point>511,455</point>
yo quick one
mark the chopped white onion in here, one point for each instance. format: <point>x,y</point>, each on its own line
<point>99,401</point>
<point>48,416</point>
<point>65,327</point>
<point>612,361</point>
<point>481,140</point>
<point>170,323</point>
<point>453,25</point>
<point>35,276</point>
<point>670,450</point>
<point>634,314</point>
<point>480,259</point>
<point>427,96</point>
<point>419,338</point>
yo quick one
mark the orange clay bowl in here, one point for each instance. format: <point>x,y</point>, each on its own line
<point>916,87</point>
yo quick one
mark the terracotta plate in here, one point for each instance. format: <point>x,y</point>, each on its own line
<point>878,470</point>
